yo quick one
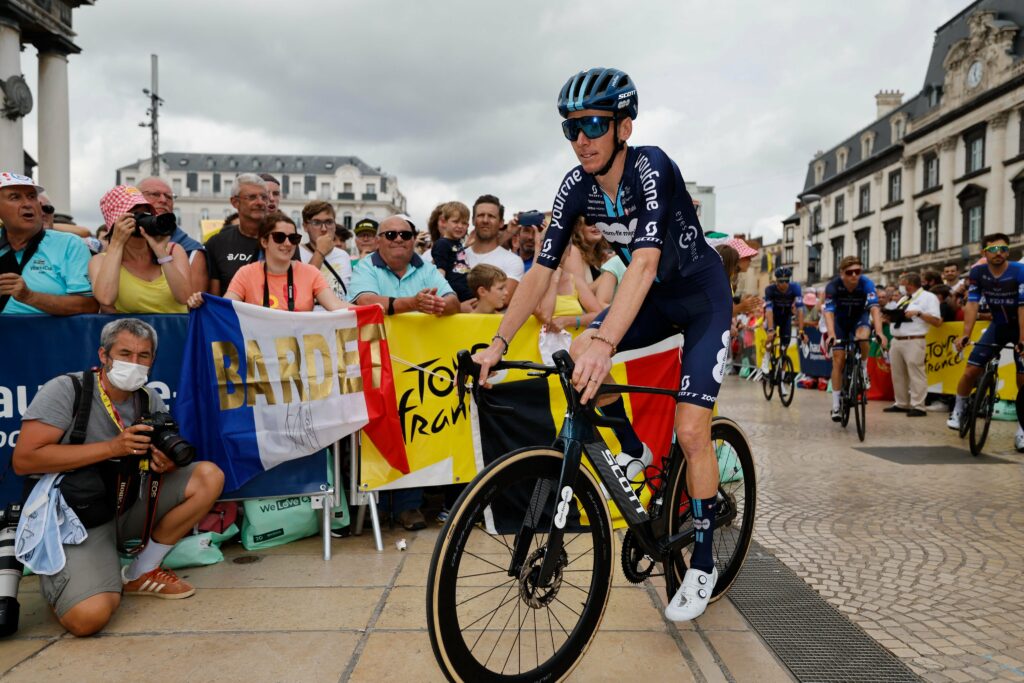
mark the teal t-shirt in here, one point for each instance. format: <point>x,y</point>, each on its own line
<point>60,266</point>
<point>373,276</point>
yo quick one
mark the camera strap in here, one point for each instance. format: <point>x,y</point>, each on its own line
<point>266,288</point>
<point>328,266</point>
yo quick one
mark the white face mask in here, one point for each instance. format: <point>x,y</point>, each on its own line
<point>903,290</point>
<point>127,376</point>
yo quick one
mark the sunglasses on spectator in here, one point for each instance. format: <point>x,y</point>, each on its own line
<point>852,272</point>
<point>48,209</point>
<point>280,237</point>
<point>326,223</point>
<point>591,126</point>
<point>1001,249</point>
<point>392,235</point>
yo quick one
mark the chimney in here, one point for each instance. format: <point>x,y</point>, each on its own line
<point>887,102</point>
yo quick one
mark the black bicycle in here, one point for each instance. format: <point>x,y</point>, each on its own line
<point>780,374</point>
<point>522,570</point>
<point>854,396</point>
<point>981,403</point>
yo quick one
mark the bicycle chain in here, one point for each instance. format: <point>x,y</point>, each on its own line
<point>632,558</point>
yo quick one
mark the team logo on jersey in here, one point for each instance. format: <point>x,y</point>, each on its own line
<point>719,371</point>
<point>617,233</point>
<point>688,236</point>
<point>685,383</point>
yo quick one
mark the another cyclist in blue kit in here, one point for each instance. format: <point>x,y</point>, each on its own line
<point>851,306</point>
<point>1001,283</point>
<point>674,282</point>
<point>782,301</point>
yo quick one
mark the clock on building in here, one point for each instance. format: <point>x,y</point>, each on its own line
<point>974,75</point>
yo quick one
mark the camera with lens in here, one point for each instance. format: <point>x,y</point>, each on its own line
<point>10,570</point>
<point>167,438</point>
<point>163,225</point>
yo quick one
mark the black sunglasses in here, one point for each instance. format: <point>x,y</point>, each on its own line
<point>853,271</point>
<point>591,126</point>
<point>48,209</point>
<point>392,235</point>
<point>280,237</point>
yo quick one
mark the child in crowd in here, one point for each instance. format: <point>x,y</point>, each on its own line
<point>490,286</point>
<point>448,224</point>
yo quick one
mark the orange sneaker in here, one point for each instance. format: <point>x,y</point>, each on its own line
<point>158,583</point>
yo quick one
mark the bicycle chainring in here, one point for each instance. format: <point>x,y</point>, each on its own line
<point>637,566</point>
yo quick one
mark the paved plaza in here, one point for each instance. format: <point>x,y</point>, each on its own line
<point>920,548</point>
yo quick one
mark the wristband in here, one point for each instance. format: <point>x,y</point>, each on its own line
<point>391,305</point>
<point>165,259</point>
<point>503,341</point>
<point>599,338</point>
<point>577,322</point>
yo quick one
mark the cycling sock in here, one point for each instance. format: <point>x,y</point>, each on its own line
<point>835,399</point>
<point>703,527</point>
<point>864,367</point>
<point>961,401</point>
<point>626,435</point>
<point>147,560</point>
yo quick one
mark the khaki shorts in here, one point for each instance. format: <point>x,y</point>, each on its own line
<point>93,566</point>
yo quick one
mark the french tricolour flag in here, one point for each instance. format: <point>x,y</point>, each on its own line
<point>261,386</point>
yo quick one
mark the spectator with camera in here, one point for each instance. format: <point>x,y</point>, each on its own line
<point>41,271</point>
<point>488,217</point>
<point>141,270</point>
<point>232,248</point>
<point>319,251</point>
<point>915,313</point>
<point>101,428</point>
<point>159,195</point>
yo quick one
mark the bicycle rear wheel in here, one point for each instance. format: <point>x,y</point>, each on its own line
<point>489,620</point>
<point>787,382</point>
<point>981,412</point>
<point>768,382</point>
<point>734,518</point>
<point>967,418</point>
<point>846,397</point>
<point>859,398</point>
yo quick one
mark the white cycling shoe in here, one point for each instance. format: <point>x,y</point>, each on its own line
<point>954,420</point>
<point>1018,441</point>
<point>693,596</point>
<point>634,468</point>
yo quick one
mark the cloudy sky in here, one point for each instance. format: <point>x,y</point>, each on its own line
<point>457,98</point>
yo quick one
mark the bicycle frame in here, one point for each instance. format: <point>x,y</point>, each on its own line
<point>578,437</point>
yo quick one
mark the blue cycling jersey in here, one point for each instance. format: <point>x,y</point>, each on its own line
<point>1004,294</point>
<point>847,304</point>
<point>652,210</point>
<point>780,303</point>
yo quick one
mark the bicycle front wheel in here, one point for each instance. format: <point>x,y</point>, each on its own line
<point>981,412</point>
<point>488,617</point>
<point>768,382</point>
<point>734,517</point>
<point>859,398</point>
<point>846,397</point>
<point>787,382</point>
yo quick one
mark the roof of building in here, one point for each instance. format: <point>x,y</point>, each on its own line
<point>260,163</point>
<point>1007,12</point>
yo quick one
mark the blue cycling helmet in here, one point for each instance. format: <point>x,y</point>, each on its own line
<point>603,89</point>
<point>783,272</point>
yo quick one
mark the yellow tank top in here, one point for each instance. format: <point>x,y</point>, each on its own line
<point>567,304</point>
<point>135,295</point>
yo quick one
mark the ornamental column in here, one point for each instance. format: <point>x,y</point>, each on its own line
<point>54,128</point>
<point>1001,212</point>
<point>12,148</point>
<point>948,209</point>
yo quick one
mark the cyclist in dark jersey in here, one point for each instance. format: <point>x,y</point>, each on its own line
<point>781,298</point>
<point>851,309</point>
<point>674,282</point>
<point>1000,282</point>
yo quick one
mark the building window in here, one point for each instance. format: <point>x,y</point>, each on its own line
<point>205,187</point>
<point>865,198</point>
<point>346,220</point>
<point>325,190</point>
<point>176,186</point>
<point>899,128</point>
<point>972,207</point>
<point>296,189</point>
<point>1018,203</point>
<point>204,215</point>
<point>931,171</point>
<point>209,162</point>
<point>893,229</point>
<point>895,186</point>
<point>929,229</point>
<point>816,220</point>
<point>837,253</point>
<point>840,209</point>
<point>233,163</point>
<point>814,261</point>
<point>787,255</point>
<point>863,238</point>
<point>819,172</point>
<point>130,180</point>
<point>841,156</point>
<point>279,164</point>
<point>300,164</point>
<point>297,218</point>
<point>228,183</point>
<point>974,143</point>
<point>789,233</point>
<point>255,162</point>
<point>347,187</point>
<point>867,146</point>
<point>371,188</point>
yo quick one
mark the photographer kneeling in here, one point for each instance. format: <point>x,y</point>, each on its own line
<point>104,474</point>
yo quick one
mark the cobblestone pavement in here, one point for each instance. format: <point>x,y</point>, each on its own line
<point>921,548</point>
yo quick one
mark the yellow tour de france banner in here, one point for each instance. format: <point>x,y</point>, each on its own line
<point>944,369</point>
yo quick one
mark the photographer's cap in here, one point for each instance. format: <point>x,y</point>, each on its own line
<point>366,225</point>
<point>119,201</point>
<point>8,179</point>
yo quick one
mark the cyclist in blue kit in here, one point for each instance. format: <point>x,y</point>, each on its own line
<point>1001,283</point>
<point>781,299</point>
<point>851,309</point>
<point>674,282</point>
